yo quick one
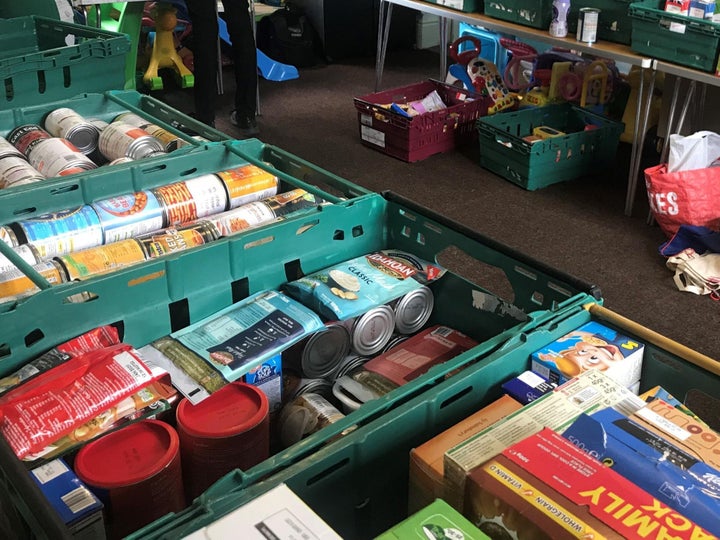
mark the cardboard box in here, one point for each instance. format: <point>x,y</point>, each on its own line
<point>437,520</point>
<point>277,513</point>
<point>516,493</point>
<point>671,475</point>
<point>527,387</point>
<point>76,505</point>
<point>592,346</point>
<point>590,391</point>
<point>426,461</point>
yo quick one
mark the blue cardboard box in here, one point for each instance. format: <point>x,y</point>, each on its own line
<point>591,346</point>
<point>527,387</point>
<point>671,475</point>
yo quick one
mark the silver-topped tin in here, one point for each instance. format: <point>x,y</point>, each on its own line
<point>352,394</point>
<point>68,124</point>
<point>395,340</point>
<point>324,351</point>
<point>372,330</point>
<point>294,385</point>
<point>119,139</point>
<point>413,310</point>
<point>8,236</point>
<point>349,365</point>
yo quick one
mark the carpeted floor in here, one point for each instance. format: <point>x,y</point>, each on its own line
<point>578,227</point>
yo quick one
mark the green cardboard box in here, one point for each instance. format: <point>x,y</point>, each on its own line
<point>437,521</point>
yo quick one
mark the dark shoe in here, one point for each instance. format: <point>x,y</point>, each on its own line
<point>246,125</point>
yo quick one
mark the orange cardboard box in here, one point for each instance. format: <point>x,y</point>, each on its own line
<point>426,461</point>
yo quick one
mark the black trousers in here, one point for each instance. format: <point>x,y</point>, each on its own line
<point>244,56</point>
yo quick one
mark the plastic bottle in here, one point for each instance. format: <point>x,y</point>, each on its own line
<point>558,26</point>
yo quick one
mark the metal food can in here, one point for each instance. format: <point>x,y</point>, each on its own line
<point>319,354</point>
<point>133,119</point>
<point>371,331</point>
<point>14,283</point>
<point>176,239</point>
<point>413,310</point>
<point>7,149</point>
<point>128,216</point>
<point>99,123</point>
<point>25,137</point>
<point>294,385</point>
<point>352,394</point>
<point>16,171</point>
<point>248,183</point>
<point>136,472</point>
<point>8,236</point>
<point>90,262</point>
<point>119,139</point>
<point>169,140</point>
<point>304,415</point>
<point>350,364</point>
<point>226,431</point>
<point>587,24</point>
<point>59,157</point>
<point>192,199</point>
<point>68,124</point>
<point>243,218</point>
<point>395,340</point>
<point>121,160</point>
<point>25,251</point>
<point>62,232</point>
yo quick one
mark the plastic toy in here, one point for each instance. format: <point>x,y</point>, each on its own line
<point>164,54</point>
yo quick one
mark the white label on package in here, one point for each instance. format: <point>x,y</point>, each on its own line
<point>133,367</point>
<point>372,136</point>
<point>456,4</point>
<point>366,119</point>
<point>50,471</point>
<point>531,379</point>
<point>663,423</point>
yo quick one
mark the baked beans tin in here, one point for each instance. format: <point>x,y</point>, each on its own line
<point>130,215</point>
<point>319,354</point>
<point>16,171</point>
<point>413,310</point>
<point>226,431</point>
<point>7,149</point>
<point>25,137</point>
<point>59,157</point>
<point>68,124</point>
<point>14,283</point>
<point>304,415</point>
<point>8,236</point>
<point>119,139</point>
<point>192,199</point>
<point>58,233</point>
<point>98,260</point>
<point>248,183</point>
<point>26,252</point>
<point>371,331</point>
<point>136,472</point>
<point>175,239</point>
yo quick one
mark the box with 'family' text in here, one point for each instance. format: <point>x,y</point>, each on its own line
<point>592,346</point>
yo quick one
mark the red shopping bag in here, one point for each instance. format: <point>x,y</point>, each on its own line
<point>684,197</point>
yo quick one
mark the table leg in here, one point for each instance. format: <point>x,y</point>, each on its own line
<point>383,36</point>
<point>442,27</point>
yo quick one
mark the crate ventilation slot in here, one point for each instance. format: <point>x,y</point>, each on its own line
<point>67,79</point>
<point>306,227</point>
<point>357,230</point>
<point>455,397</point>
<point>240,289</point>
<point>33,337</point>
<point>179,312</point>
<point>64,189</point>
<point>9,90</point>
<point>339,235</point>
<point>557,288</point>
<point>259,242</point>
<point>80,298</point>
<point>328,471</point>
<point>42,85</point>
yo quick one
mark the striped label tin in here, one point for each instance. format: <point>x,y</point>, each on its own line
<point>59,157</point>
<point>62,232</point>
<point>102,259</point>
<point>192,199</point>
<point>248,183</point>
<point>16,171</point>
<point>127,216</point>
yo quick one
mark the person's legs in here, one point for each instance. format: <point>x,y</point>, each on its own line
<point>244,57</point>
<point>205,34</point>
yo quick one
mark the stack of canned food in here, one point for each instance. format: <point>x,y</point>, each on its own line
<point>103,236</point>
<point>68,143</point>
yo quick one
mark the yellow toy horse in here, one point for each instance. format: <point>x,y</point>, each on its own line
<point>164,54</point>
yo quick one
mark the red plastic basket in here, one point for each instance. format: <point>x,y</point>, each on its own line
<point>413,139</point>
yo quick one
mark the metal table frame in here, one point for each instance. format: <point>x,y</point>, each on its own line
<point>613,51</point>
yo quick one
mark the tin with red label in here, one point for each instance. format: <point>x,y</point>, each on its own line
<point>136,472</point>
<point>14,283</point>
<point>62,232</point>
<point>7,149</point>
<point>248,183</point>
<point>68,124</point>
<point>102,259</point>
<point>226,431</point>
<point>26,252</point>
<point>130,215</point>
<point>59,157</point>
<point>16,171</point>
<point>192,199</point>
<point>174,239</point>
<point>25,137</point>
<point>119,139</point>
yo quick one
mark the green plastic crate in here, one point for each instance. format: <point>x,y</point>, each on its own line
<point>687,41</point>
<point>468,6</point>
<point>536,165</point>
<point>43,59</point>
<point>153,299</point>
<point>533,13</point>
<point>614,22</point>
<point>359,483</point>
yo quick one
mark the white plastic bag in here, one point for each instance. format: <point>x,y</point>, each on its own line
<point>696,151</point>
<point>698,274</point>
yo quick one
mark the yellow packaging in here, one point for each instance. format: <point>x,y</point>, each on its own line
<point>248,184</point>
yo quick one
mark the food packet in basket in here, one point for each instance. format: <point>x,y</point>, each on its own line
<point>353,287</point>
